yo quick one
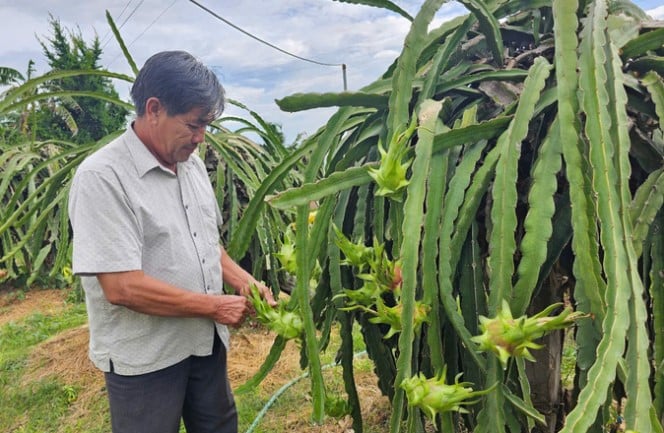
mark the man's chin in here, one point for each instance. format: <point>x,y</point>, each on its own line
<point>185,153</point>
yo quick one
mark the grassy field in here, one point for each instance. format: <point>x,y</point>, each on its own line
<point>48,385</point>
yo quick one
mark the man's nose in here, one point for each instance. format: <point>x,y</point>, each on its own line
<point>199,136</point>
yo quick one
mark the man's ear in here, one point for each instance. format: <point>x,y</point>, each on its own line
<point>153,108</point>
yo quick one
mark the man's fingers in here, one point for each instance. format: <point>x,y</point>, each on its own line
<point>249,308</point>
<point>266,293</point>
<point>270,299</point>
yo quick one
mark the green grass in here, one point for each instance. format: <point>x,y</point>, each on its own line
<point>16,338</point>
<point>38,406</point>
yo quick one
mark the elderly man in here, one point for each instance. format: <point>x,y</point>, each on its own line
<point>147,248</point>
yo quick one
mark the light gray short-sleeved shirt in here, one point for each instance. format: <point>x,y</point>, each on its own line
<point>130,213</point>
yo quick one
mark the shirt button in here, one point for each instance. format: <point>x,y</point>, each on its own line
<point>194,234</point>
<point>203,261</point>
<point>186,206</point>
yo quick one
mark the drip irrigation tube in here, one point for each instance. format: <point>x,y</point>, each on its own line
<point>283,389</point>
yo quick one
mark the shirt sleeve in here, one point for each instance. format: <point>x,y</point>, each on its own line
<point>106,231</point>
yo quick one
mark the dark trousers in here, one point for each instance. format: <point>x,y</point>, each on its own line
<point>196,390</point>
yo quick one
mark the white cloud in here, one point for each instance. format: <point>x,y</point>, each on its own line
<point>657,13</point>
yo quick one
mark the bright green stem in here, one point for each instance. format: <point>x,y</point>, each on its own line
<point>503,211</point>
<point>439,167</point>
<point>657,295</point>
<point>304,266</point>
<point>598,125</point>
<point>538,222</point>
<point>412,233</point>
<point>637,385</point>
<point>590,286</point>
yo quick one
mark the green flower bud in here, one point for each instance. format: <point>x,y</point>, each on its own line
<point>390,176</point>
<point>287,255</point>
<point>434,396</point>
<point>278,319</point>
<point>507,337</point>
<point>357,255</point>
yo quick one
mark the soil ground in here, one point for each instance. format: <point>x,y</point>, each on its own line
<point>65,356</point>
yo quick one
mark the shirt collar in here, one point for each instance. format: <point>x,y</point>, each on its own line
<point>143,159</point>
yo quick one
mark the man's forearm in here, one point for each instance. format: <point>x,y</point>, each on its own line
<point>145,294</point>
<point>148,295</point>
<point>234,275</point>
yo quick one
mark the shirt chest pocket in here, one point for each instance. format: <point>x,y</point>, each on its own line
<point>201,203</point>
<point>208,224</point>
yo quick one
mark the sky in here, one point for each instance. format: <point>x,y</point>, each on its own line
<point>366,39</point>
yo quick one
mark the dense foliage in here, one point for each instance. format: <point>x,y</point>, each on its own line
<point>510,160</point>
<point>503,180</point>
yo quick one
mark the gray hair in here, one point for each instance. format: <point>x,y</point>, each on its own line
<point>180,82</point>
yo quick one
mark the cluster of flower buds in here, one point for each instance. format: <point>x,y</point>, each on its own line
<point>381,276</point>
<point>287,254</point>
<point>279,319</point>
<point>392,316</point>
<point>355,254</point>
<point>379,273</point>
<point>508,337</point>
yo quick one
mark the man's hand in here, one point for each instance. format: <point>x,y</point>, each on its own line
<point>231,310</point>
<point>265,292</point>
<point>241,281</point>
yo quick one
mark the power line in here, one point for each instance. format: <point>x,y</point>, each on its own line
<point>131,14</point>
<point>146,28</point>
<point>152,23</point>
<point>103,40</point>
<point>125,8</point>
<point>262,40</point>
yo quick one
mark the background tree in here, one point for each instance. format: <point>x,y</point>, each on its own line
<point>93,117</point>
<point>10,123</point>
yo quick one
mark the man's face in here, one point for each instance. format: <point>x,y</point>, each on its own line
<point>177,136</point>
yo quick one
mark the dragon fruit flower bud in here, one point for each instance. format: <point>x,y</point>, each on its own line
<point>434,396</point>
<point>507,337</point>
